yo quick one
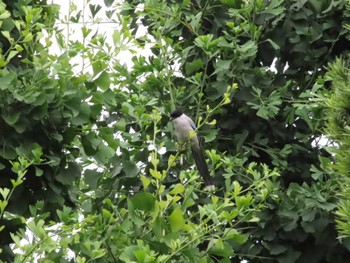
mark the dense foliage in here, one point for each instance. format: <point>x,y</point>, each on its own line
<point>337,128</point>
<point>89,165</point>
<point>39,116</point>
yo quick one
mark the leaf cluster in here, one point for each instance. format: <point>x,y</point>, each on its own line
<point>179,223</point>
<point>337,129</point>
<point>277,52</point>
<point>104,168</point>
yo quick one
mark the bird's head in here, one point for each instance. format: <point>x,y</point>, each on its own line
<point>175,114</point>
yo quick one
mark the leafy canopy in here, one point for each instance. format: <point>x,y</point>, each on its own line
<point>102,182</point>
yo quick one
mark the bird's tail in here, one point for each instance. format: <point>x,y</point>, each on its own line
<point>202,166</point>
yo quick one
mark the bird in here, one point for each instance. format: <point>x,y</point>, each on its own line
<point>186,131</point>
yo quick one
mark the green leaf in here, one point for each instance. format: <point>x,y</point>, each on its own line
<point>275,249</point>
<point>103,81</point>
<point>28,36</point>
<point>193,66</point>
<point>83,115</point>
<point>11,118</point>
<point>69,174</point>
<point>40,112</point>
<point>91,143</point>
<point>3,62</point>
<point>4,14</point>
<point>171,161</point>
<point>65,213</point>
<point>104,153</point>
<point>108,3</point>
<point>195,21</point>
<point>6,34</point>
<point>16,183</point>
<point>37,227</point>
<point>8,152</point>
<point>108,135</point>
<point>176,220</point>
<point>38,172</point>
<point>221,248</point>
<point>140,255</point>
<point>178,189</point>
<point>273,44</point>
<point>274,8</point>
<point>144,201</point>
<point>12,54</point>
<point>249,48</point>
<point>121,124</point>
<point>130,168</point>
<point>6,79</point>
<point>86,31</point>
<point>145,181</point>
<point>91,177</point>
<point>36,151</point>
<point>4,192</point>
<point>128,254</point>
<point>156,174</point>
<point>222,66</point>
<point>204,41</point>
<point>3,205</point>
<point>94,9</point>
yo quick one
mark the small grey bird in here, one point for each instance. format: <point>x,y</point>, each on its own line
<point>183,126</point>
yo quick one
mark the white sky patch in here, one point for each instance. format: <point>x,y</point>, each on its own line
<point>99,25</point>
<point>273,66</point>
<point>322,142</point>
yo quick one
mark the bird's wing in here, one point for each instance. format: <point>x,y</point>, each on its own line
<point>193,126</point>
<point>190,122</point>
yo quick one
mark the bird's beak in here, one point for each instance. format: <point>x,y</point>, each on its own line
<point>171,118</point>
